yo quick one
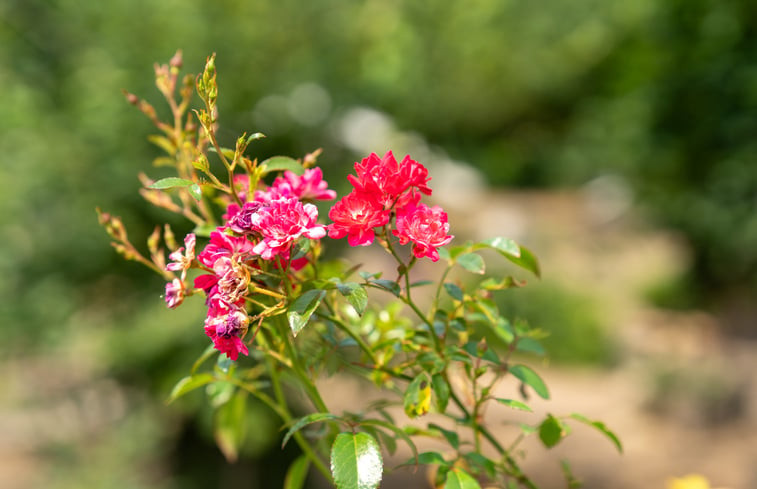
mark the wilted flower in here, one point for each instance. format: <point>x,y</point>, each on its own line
<point>226,330</point>
<point>240,220</point>
<point>174,293</point>
<point>181,260</point>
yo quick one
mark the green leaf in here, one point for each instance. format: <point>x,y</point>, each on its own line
<point>476,459</point>
<point>417,398</point>
<point>472,262</point>
<point>527,429</point>
<point>456,251</point>
<point>421,283</point>
<point>429,458</point>
<point>209,352</point>
<point>356,461</point>
<point>387,284</point>
<point>454,291</point>
<point>282,163</point>
<point>527,260</point>
<point>302,308</point>
<point>204,230</point>
<point>530,345</point>
<point>508,248</point>
<point>551,431</point>
<point>355,295</point>
<point>441,392</point>
<point>443,254</point>
<point>229,425</point>
<point>297,473</point>
<point>501,284</point>
<point>394,428</point>
<point>304,421</point>
<point>188,384</point>
<point>460,479</point>
<point>514,404</point>
<point>503,245</point>
<point>602,428</point>
<point>174,182</point>
<point>387,440</point>
<point>529,377</point>
<point>451,436</point>
<point>253,137</point>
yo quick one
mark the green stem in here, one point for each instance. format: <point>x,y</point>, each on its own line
<point>307,449</point>
<point>481,429</point>
<point>362,344</point>
<point>299,371</point>
<point>439,287</point>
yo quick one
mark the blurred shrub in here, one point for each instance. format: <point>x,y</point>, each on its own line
<point>575,333</point>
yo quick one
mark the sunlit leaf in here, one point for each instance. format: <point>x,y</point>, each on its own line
<point>302,308</point>
<point>174,182</point>
<point>282,163</point>
<point>531,378</point>
<point>551,431</point>
<point>514,404</point>
<point>188,384</point>
<point>527,260</point>
<point>503,245</point>
<point>254,136</point>
<point>355,295</point>
<point>505,283</point>
<point>602,428</point>
<point>472,262</point>
<point>427,458</point>
<point>530,345</point>
<point>459,479</point>
<point>204,230</point>
<point>356,461</point>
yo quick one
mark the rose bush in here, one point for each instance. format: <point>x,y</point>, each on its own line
<point>278,314</point>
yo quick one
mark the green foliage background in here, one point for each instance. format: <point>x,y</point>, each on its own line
<point>660,93</point>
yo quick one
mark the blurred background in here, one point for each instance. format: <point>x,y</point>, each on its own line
<point>616,139</point>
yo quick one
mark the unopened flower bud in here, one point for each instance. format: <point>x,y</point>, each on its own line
<point>131,98</point>
<point>169,238</point>
<point>153,240</point>
<point>176,61</point>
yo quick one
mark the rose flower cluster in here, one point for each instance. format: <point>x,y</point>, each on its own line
<point>384,189</point>
<point>268,226</point>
